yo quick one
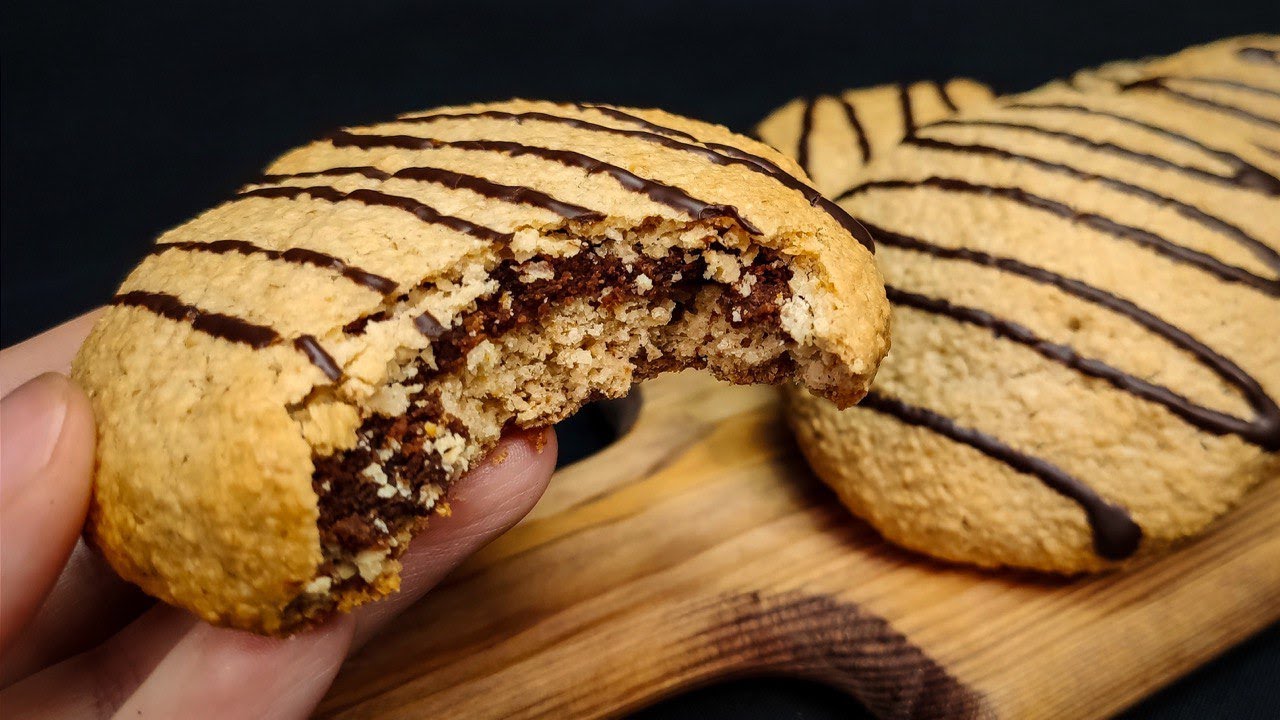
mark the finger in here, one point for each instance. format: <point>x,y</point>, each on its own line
<point>88,604</point>
<point>484,504</point>
<point>46,458</point>
<point>168,664</point>
<point>216,672</point>
<point>50,351</point>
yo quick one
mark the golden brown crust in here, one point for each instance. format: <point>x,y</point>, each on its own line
<point>228,361</point>
<point>202,495</point>
<point>1045,255</point>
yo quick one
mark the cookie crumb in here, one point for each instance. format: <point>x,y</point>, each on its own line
<point>369,563</point>
<point>319,586</point>
<point>540,440</point>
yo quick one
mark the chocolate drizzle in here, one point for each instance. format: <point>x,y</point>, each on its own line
<point>226,327</point>
<point>851,114</point>
<point>729,153</point>
<point>370,172</point>
<point>1171,250</point>
<point>1161,84</point>
<point>806,129</point>
<point>1245,174</point>
<point>515,194</point>
<point>908,115</point>
<point>422,211</point>
<point>317,355</point>
<point>660,193</point>
<point>945,97</point>
<point>717,153</point>
<point>299,256</point>
<point>1261,250</point>
<point>1260,431</point>
<point>627,117</point>
<point>1263,431</point>
<point>1115,535</point>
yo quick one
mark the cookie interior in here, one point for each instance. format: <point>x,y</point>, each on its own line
<point>578,314</point>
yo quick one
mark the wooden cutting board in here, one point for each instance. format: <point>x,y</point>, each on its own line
<point>699,546</point>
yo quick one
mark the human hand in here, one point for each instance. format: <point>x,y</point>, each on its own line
<point>76,641</point>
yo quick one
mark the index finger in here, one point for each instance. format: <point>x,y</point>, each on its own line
<point>50,351</point>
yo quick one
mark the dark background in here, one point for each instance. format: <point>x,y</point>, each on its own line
<point>121,119</point>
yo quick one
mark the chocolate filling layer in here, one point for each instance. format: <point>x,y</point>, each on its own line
<point>394,453</point>
<point>390,480</point>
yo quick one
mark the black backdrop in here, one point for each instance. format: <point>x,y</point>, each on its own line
<point>121,119</point>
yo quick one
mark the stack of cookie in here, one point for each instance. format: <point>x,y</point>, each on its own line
<point>1086,299</point>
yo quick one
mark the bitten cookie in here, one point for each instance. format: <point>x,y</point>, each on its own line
<point>288,384</point>
<point>1086,316</point>
<point>833,136</point>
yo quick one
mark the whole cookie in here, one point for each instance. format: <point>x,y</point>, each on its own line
<point>833,136</point>
<point>288,384</point>
<point>1086,316</point>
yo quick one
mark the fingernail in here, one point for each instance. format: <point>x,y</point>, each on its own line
<point>31,419</point>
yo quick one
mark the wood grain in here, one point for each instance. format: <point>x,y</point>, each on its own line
<point>700,547</point>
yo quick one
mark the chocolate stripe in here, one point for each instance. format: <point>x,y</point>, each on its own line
<point>1115,535</point>
<point>1109,147</point>
<point>300,256</point>
<point>422,211</point>
<point>661,193</point>
<point>1246,175</point>
<point>317,355</point>
<point>730,154</point>
<point>372,173</point>
<point>1259,249</point>
<point>1171,250</point>
<point>908,114</point>
<point>946,98</point>
<point>219,325</point>
<point>226,327</point>
<point>717,153</point>
<point>514,194</point>
<point>851,114</point>
<point>1160,85</point>
<point>1207,419</point>
<point>627,117</point>
<point>1263,431</point>
<point>1259,55</point>
<point>806,130</point>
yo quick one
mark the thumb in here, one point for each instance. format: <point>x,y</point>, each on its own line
<point>46,460</point>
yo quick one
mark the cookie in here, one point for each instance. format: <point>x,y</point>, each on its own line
<point>833,136</point>
<point>1086,311</point>
<point>289,383</point>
